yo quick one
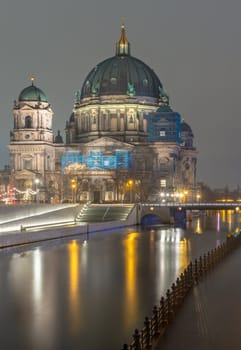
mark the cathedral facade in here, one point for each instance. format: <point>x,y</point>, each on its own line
<point>124,143</point>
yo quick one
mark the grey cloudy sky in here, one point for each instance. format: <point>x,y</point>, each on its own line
<point>194,47</point>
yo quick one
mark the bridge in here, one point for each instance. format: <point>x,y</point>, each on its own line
<point>168,212</point>
<point>197,206</point>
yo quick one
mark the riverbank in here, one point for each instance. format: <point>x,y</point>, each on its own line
<point>14,239</point>
<point>29,224</point>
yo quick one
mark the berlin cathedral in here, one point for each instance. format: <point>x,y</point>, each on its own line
<point>123,141</point>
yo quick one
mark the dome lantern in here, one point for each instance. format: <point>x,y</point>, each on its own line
<point>123,45</point>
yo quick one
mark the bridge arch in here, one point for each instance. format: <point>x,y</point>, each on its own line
<point>154,215</point>
<point>151,219</point>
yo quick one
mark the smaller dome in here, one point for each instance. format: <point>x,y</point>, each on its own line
<point>186,135</point>
<point>186,128</point>
<point>71,118</point>
<point>32,93</point>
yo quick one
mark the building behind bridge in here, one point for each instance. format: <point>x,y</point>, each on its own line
<point>123,143</point>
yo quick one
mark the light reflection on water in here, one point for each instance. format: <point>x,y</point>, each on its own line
<point>130,279</point>
<point>72,294</point>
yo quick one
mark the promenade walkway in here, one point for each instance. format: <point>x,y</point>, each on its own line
<point>210,317</point>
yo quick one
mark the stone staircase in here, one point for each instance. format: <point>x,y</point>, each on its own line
<point>99,213</point>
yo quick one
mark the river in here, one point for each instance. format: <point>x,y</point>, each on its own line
<point>92,292</point>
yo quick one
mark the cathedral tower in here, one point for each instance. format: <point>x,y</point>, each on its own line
<point>32,153</point>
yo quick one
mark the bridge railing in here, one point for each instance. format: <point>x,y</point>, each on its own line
<point>194,205</point>
<point>162,315</point>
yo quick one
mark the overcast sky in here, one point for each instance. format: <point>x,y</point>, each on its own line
<point>193,46</point>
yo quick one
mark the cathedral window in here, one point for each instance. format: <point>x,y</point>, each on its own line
<point>28,122</point>
<point>27,164</point>
<point>85,186</point>
<point>145,82</point>
<point>113,81</point>
<point>131,120</point>
<point>163,183</point>
<point>109,186</point>
<point>131,116</point>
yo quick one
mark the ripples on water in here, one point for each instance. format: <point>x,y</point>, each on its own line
<point>92,292</point>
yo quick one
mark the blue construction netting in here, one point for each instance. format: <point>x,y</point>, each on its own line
<point>97,160</point>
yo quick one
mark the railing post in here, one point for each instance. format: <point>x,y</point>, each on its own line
<point>125,347</point>
<point>182,293</point>
<point>137,340</point>
<point>208,261</point>
<point>156,328</point>
<point>190,275</point>
<point>204,263</point>
<point>147,336</point>
<point>185,275</point>
<point>196,272</point>
<point>200,266</point>
<point>174,297</point>
<point>169,305</point>
<point>178,291</point>
<point>163,313</point>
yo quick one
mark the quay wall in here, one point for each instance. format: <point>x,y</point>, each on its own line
<point>21,238</point>
<point>13,217</point>
<point>37,234</point>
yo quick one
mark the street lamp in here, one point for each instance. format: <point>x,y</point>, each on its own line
<point>73,186</point>
<point>130,185</point>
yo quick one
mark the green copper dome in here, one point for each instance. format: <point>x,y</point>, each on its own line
<point>32,93</point>
<point>122,75</point>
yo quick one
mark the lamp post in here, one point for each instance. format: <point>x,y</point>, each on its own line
<point>130,185</point>
<point>73,186</point>
<point>198,198</point>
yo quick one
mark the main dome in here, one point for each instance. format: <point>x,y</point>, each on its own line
<point>122,74</point>
<point>32,93</point>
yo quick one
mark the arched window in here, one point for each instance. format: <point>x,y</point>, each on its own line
<point>131,120</point>
<point>28,122</point>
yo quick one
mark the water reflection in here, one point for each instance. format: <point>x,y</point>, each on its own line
<point>74,295</point>
<point>198,228</point>
<point>42,323</point>
<point>37,277</point>
<point>173,247</point>
<point>81,295</point>
<point>217,221</point>
<point>130,280</point>
<point>227,216</point>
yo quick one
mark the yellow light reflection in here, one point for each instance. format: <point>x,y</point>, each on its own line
<point>229,216</point>
<point>130,267</point>
<point>185,250</point>
<point>73,249</point>
<point>198,228</point>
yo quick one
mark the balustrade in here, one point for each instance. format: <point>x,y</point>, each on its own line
<point>162,316</point>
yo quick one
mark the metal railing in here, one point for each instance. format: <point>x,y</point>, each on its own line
<point>163,314</point>
<point>193,205</point>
